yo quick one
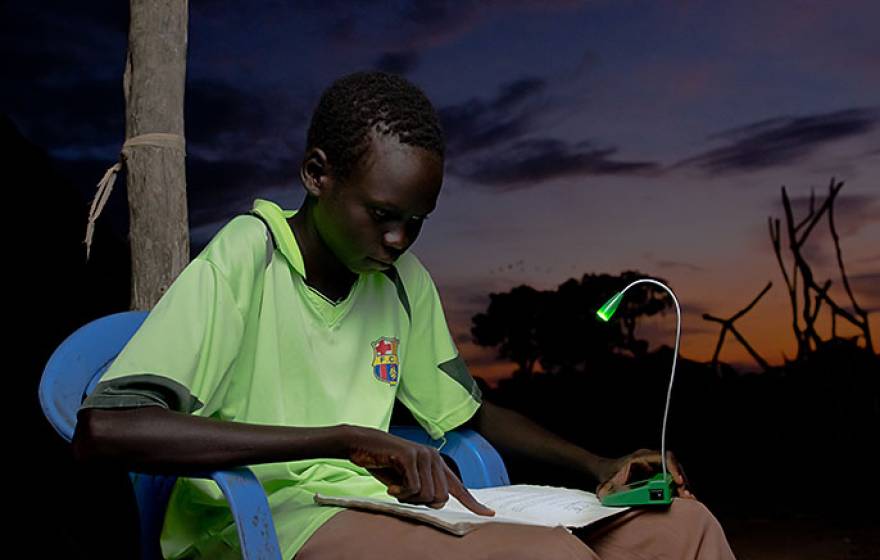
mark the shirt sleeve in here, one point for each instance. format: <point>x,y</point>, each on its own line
<point>435,384</point>
<point>181,355</point>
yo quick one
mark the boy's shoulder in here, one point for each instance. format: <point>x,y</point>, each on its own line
<point>240,242</point>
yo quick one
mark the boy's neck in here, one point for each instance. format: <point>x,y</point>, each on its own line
<point>324,271</point>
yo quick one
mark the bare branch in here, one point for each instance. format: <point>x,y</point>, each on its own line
<point>777,248</point>
<point>833,190</point>
<point>790,283</point>
<point>789,217</point>
<point>810,330</point>
<point>812,210</point>
<point>820,294</point>
<point>836,239</point>
<point>864,323</point>
<point>754,301</point>
<point>727,325</point>
<point>841,311</point>
<point>718,347</point>
<point>755,356</point>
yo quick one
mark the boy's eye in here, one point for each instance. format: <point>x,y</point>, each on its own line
<point>383,215</point>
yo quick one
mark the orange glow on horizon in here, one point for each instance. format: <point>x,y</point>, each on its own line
<point>771,339</point>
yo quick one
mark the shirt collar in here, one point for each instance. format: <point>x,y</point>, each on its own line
<point>277,217</point>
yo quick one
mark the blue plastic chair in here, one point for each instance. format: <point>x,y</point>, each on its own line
<point>74,370</point>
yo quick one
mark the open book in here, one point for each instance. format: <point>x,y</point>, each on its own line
<point>527,504</point>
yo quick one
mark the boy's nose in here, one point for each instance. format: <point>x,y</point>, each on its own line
<point>396,239</point>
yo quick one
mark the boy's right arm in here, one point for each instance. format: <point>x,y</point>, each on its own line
<point>153,439</point>
<point>157,440</point>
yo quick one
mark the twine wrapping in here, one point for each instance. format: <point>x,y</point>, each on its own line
<point>105,185</point>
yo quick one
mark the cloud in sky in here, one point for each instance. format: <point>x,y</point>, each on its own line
<point>478,124</point>
<point>415,24</point>
<point>867,288</point>
<point>219,111</point>
<point>237,133</point>
<point>213,187</point>
<point>529,162</point>
<point>239,143</point>
<point>489,142</point>
<point>781,140</point>
<point>871,259</point>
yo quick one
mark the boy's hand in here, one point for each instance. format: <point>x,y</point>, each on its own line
<point>641,465</point>
<point>413,473</point>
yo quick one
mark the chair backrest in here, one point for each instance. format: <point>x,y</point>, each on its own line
<point>71,374</point>
<point>77,364</point>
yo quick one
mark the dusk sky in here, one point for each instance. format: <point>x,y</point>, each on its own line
<point>584,137</point>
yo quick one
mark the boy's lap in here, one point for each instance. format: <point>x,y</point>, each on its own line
<point>681,528</point>
<point>686,529</point>
<point>684,513</point>
<point>354,534</point>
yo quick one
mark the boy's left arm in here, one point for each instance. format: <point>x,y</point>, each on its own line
<point>512,433</point>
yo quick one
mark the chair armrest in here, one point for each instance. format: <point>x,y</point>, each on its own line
<point>243,492</point>
<point>477,461</point>
<point>250,509</point>
<point>247,501</point>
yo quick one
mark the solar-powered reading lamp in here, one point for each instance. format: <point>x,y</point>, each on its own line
<point>658,489</point>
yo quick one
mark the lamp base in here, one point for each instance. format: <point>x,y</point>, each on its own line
<point>656,491</point>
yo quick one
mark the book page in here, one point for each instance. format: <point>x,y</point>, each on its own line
<point>528,504</point>
<point>544,505</point>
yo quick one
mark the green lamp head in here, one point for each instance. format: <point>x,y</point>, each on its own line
<point>606,311</point>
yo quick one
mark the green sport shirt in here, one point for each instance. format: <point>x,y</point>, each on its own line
<point>239,336</point>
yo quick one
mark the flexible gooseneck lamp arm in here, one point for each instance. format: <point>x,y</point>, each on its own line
<point>605,313</point>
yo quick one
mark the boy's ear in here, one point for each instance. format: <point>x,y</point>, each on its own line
<point>314,172</point>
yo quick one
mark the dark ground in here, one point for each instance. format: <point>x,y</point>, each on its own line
<point>802,538</point>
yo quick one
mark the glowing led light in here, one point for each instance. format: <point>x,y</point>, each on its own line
<point>606,311</point>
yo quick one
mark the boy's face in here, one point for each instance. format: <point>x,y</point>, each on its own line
<point>371,218</point>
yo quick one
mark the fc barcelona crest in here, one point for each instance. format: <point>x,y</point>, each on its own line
<point>385,361</point>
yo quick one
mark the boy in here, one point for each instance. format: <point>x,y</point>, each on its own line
<point>284,344</point>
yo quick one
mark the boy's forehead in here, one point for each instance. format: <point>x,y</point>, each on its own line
<point>386,150</point>
<point>400,176</point>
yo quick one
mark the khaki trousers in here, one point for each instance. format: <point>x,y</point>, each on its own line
<point>686,530</point>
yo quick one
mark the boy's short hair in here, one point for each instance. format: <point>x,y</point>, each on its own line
<point>356,104</point>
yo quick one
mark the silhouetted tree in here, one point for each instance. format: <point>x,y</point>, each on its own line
<point>511,324</point>
<point>559,330</point>
<point>644,300</point>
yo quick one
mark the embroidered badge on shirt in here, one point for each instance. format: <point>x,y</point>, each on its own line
<point>385,361</point>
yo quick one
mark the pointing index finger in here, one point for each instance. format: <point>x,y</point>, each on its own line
<point>468,501</point>
<point>457,489</point>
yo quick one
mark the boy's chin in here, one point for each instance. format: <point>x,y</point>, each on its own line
<point>372,265</point>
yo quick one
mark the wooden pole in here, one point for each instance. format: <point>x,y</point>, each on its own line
<point>154,79</point>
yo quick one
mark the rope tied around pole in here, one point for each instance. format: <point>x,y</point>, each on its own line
<point>105,185</point>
